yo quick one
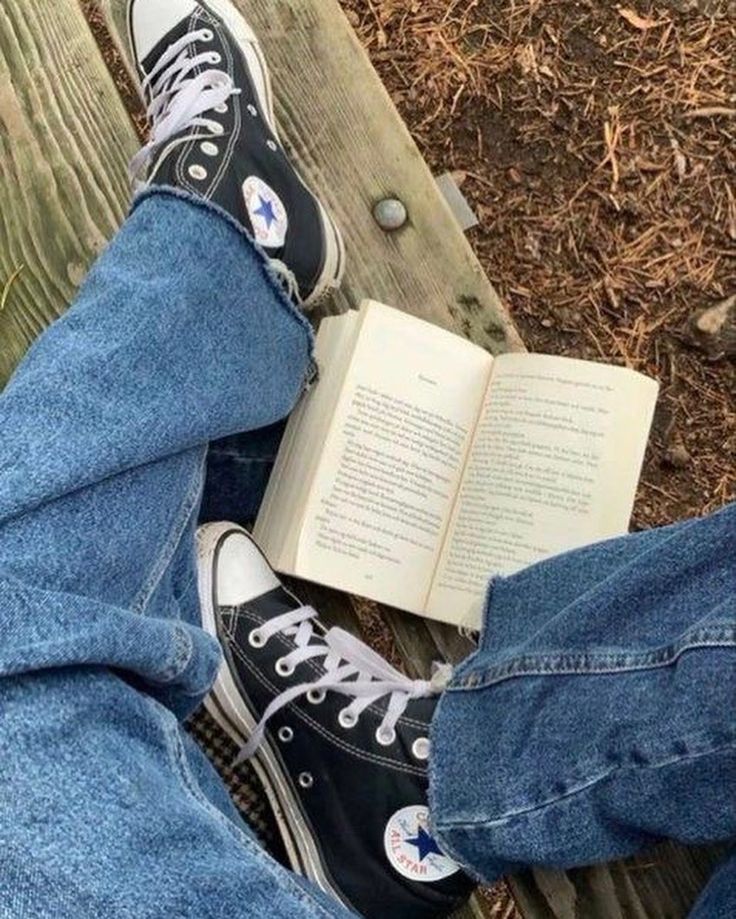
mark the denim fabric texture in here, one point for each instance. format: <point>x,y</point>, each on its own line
<point>597,715</point>
<point>719,898</point>
<point>107,808</point>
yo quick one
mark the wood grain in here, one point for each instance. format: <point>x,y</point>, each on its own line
<point>65,139</point>
<point>663,883</point>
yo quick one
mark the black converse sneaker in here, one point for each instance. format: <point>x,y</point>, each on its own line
<point>339,738</point>
<point>213,133</point>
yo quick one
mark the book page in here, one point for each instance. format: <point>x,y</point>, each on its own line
<point>277,527</point>
<point>554,465</point>
<point>390,467</point>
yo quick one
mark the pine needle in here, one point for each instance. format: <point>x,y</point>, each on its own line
<point>8,284</point>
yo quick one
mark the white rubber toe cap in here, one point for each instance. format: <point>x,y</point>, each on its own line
<point>240,573</point>
<point>151,20</point>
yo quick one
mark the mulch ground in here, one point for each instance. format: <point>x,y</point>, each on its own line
<point>596,145</point>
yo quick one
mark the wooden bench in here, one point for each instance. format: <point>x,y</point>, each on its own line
<point>65,141</point>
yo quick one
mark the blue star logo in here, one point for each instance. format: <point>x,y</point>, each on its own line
<point>266,211</point>
<point>424,843</point>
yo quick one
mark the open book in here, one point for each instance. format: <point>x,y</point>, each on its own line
<point>420,465</point>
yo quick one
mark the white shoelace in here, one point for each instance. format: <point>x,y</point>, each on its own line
<point>350,668</point>
<point>178,98</point>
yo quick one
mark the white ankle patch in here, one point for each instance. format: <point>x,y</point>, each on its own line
<point>267,213</point>
<point>411,850</point>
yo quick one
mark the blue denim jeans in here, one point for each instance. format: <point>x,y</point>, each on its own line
<point>597,715</point>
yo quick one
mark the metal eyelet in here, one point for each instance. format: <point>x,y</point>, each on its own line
<point>347,719</point>
<point>217,129</point>
<point>256,639</point>
<point>285,734</point>
<point>207,35</point>
<point>222,108</point>
<point>253,110</point>
<point>198,173</point>
<point>385,737</point>
<point>420,748</point>
<point>306,780</point>
<point>215,58</point>
<point>209,149</point>
<point>284,669</point>
<point>272,145</point>
<point>316,696</point>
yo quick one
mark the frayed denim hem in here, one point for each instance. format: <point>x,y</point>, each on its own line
<point>268,272</point>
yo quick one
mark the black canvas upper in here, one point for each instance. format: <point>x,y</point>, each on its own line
<point>357,784</point>
<point>248,151</point>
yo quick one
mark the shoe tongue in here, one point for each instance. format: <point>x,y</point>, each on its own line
<point>275,603</point>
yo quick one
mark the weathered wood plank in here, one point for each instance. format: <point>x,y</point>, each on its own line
<point>661,884</point>
<point>342,128</point>
<point>65,139</point>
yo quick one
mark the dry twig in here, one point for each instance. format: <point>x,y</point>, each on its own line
<point>8,284</point>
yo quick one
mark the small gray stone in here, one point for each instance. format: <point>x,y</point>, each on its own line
<point>677,456</point>
<point>390,214</point>
<point>713,329</point>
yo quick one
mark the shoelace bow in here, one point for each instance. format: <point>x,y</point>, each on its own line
<point>350,668</point>
<point>178,97</point>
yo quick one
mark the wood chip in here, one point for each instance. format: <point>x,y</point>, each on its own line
<point>712,111</point>
<point>713,329</point>
<point>680,159</point>
<point>637,21</point>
